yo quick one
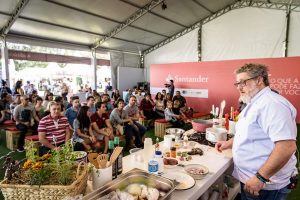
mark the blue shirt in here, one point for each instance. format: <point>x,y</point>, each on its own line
<point>71,115</point>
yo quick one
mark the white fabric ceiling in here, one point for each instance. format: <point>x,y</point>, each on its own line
<point>82,23</point>
<point>245,33</point>
<point>79,24</point>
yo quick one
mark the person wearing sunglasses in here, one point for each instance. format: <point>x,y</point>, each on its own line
<point>265,141</point>
<point>24,115</point>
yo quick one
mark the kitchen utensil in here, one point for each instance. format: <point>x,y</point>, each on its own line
<point>92,157</point>
<point>196,171</point>
<point>200,125</point>
<point>102,160</point>
<point>135,176</point>
<point>115,155</point>
<point>222,106</point>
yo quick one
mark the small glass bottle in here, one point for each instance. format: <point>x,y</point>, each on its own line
<point>173,152</point>
<point>157,144</point>
<point>185,141</point>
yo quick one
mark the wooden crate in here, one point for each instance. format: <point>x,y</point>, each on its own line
<point>144,122</point>
<point>160,127</point>
<point>12,137</point>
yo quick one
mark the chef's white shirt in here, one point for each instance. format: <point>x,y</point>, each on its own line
<point>268,118</point>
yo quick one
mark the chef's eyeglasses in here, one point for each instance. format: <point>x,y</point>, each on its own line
<point>243,83</point>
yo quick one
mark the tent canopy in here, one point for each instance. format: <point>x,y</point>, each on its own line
<point>104,24</point>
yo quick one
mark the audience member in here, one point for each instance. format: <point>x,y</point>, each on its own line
<point>83,132</point>
<point>115,95</point>
<point>39,108</point>
<point>159,105</point>
<point>139,97</point>
<point>128,95</point>
<point>5,106</point>
<point>101,125</point>
<point>60,100</point>
<point>5,88</point>
<point>105,99</point>
<point>170,116</point>
<point>181,99</point>
<point>14,104</point>
<point>18,88</point>
<point>53,129</point>
<point>24,115</point>
<point>72,112</point>
<point>146,108</point>
<point>119,119</point>
<point>90,102</point>
<point>48,98</point>
<point>134,114</point>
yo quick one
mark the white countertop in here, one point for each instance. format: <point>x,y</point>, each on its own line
<point>217,164</point>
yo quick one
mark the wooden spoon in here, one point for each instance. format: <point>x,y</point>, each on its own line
<point>102,160</point>
<point>115,155</point>
<point>92,157</point>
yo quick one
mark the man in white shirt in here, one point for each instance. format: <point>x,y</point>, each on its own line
<point>265,141</point>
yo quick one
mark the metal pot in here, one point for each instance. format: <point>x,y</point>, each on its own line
<point>216,134</point>
<point>175,132</point>
<point>201,125</point>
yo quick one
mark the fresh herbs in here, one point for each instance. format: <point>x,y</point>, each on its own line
<point>55,168</point>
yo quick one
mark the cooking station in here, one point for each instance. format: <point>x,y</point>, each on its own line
<point>217,163</point>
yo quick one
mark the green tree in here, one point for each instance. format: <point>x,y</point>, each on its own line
<point>22,64</point>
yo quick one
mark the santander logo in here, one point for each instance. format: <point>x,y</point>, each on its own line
<point>187,79</point>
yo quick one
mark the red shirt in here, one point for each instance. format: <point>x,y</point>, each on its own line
<point>100,120</point>
<point>146,105</point>
<point>56,128</point>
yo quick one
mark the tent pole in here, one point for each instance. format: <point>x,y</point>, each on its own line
<point>199,43</point>
<point>94,69</point>
<point>4,60</point>
<point>288,17</point>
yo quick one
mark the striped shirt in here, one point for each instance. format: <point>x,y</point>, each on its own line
<point>54,129</point>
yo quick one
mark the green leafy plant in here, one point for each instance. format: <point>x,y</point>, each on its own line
<point>55,168</point>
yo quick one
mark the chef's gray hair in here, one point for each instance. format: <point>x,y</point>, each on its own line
<point>255,70</point>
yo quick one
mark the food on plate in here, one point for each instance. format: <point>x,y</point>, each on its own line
<point>188,158</point>
<point>167,154</point>
<point>179,153</point>
<point>196,171</point>
<point>134,191</point>
<point>170,161</point>
<point>196,151</point>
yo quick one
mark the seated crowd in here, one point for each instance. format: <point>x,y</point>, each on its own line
<point>93,123</point>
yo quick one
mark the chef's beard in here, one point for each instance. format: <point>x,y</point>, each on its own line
<point>246,98</point>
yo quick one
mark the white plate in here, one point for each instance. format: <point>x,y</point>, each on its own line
<point>185,180</point>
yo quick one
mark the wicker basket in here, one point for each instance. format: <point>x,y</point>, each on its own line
<point>45,192</point>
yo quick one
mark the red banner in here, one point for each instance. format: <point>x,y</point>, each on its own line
<point>207,83</point>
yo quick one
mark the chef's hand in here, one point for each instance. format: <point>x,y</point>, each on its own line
<point>253,186</point>
<point>222,145</point>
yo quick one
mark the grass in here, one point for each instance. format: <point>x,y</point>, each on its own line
<point>3,151</point>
